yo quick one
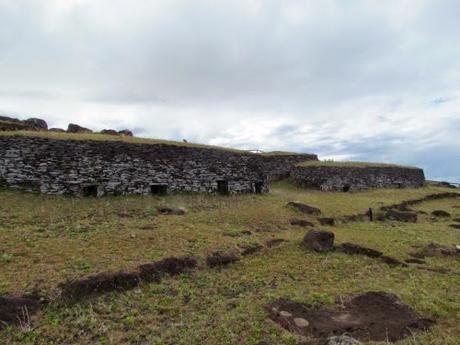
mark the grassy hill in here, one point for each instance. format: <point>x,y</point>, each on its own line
<point>49,239</point>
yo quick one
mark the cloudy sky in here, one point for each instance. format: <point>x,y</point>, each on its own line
<point>365,80</point>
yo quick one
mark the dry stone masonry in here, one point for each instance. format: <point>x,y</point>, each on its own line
<point>91,167</point>
<point>346,178</point>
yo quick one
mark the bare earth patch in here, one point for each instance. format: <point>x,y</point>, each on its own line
<point>372,316</point>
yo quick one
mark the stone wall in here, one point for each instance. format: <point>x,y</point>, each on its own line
<point>278,167</point>
<point>91,167</point>
<point>345,178</point>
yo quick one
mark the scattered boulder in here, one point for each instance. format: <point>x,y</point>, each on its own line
<point>401,216</point>
<point>178,211</point>
<point>319,240</point>
<point>36,124</point>
<point>301,222</point>
<point>56,130</point>
<point>125,132</point>
<point>455,226</point>
<point>74,128</point>
<point>109,132</point>
<point>274,242</point>
<point>12,124</point>
<point>372,316</point>
<point>218,259</point>
<point>440,213</point>
<point>305,208</point>
<point>352,248</point>
<point>327,221</point>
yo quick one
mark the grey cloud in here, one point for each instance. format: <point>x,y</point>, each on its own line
<point>355,77</point>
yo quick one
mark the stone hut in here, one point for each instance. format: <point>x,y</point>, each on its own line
<point>53,164</point>
<point>346,176</point>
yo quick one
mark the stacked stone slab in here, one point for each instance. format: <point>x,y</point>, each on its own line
<point>279,166</point>
<point>81,167</point>
<point>345,178</point>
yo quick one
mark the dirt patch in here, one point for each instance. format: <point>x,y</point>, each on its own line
<point>352,248</point>
<point>456,220</point>
<point>327,221</point>
<point>305,208</point>
<point>440,213</point>
<point>172,266</point>
<point>274,242</point>
<point>301,222</point>
<point>372,316</point>
<point>218,259</point>
<point>15,309</point>
<point>455,226</point>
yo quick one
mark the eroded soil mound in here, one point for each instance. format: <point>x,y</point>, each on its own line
<point>220,259</point>
<point>304,208</point>
<point>16,309</point>
<point>173,266</point>
<point>372,316</point>
<point>120,281</point>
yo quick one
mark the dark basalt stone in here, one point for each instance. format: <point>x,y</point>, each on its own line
<point>319,240</point>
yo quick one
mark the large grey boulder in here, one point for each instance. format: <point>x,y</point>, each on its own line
<point>74,128</point>
<point>36,124</point>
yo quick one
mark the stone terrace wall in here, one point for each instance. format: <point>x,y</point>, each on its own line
<point>109,167</point>
<point>349,178</point>
<point>278,167</point>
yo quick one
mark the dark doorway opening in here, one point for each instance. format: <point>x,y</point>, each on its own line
<point>222,187</point>
<point>160,189</point>
<point>90,190</point>
<point>346,188</point>
<point>258,187</point>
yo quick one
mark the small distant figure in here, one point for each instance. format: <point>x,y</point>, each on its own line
<point>185,141</point>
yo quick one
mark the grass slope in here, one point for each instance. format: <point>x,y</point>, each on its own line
<point>48,239</point>
<point>350,164</point>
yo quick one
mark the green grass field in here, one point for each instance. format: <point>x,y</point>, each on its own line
<point>46,240</point>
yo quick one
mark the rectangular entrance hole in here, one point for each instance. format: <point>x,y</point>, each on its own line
<point>222,187</point>
<point>159,189</point>
<point>90,190</point>
<point>258,187</point>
